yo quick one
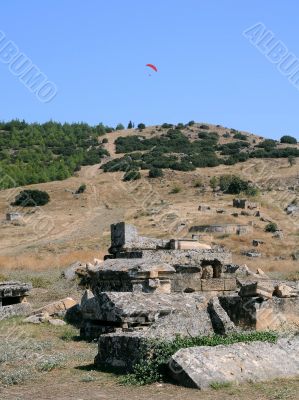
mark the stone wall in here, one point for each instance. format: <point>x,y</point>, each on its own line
<point>223,229</point>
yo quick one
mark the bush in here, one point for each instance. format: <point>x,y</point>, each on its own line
<point>252,191</point>
<point>190,123</point>
<point>119,127</point>
<point>271,227</point>
<point>132,175</point>
<point>288,139</point>
<point>176,189</point>
<point>198,183</point>
<point>81,189</point>
<point>240,136</point>
<point>155,173</point>
<point>214,182</point>
<point>31,198</point>
<point>291,160</point>
<point>105,140</point>
<point>154,366</point>
<point>141,126</point>
<point>232,184</point>
<point>203,126</point>
<point>166,126</point>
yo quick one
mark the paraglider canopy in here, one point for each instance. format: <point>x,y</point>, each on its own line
<point>152,66</point>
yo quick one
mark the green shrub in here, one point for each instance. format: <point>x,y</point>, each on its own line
<point>157,354</point>
<point>240,136</point>
<point>119,127</point>
<point>292,160</point>
<point>132,175</point>
<point>271,227</point>
<point>141,126</point>
<point>155,173</point>
<point>252,191</point>
<point>176,189</point>
<point>203,126</point>
<point>198,183</point>
<point>232,184</point>
<point>214,181</point>
<point>31,198</point>
<point>130,125</point>
<point>191,123</point>
<point>288,139</point>
<point>105,140</point>
<point>81,189</point>
<point>166,125</point>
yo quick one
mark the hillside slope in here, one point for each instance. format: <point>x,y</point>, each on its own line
<point>73,226</point>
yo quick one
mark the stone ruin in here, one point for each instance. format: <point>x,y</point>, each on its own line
<point>149,288</point>
<point>13,299</point>
<point>245,204</point>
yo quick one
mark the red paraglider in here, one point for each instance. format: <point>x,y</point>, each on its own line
<point>152,66</point>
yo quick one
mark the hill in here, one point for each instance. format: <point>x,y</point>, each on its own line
<point>76,226</point>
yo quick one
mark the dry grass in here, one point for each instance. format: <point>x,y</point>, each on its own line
<point>47,261</point>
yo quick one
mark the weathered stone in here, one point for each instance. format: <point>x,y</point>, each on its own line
<point>285,291</point>
<point>221,322</point>
<point>252,253</point>
<point>257,242</point>
<point>14,289</point>
<point>244,203</point>
<point>37,318</point>
<point>125,237</point>
<point>13,310</point>
<point>57,307</point>
<point>13,299</point>
<point>187,245</point>
<point>131,275</point>
<point>280,314</point>
<point>57,322</point>
<point>223,229</point>
<point>199,367</point>
<point>257,289</point>
<point>72,272</point>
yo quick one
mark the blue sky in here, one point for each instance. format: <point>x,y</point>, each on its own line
<point>96,51</point>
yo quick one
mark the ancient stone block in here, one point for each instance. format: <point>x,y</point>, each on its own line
<point>199,367</point>
<point>212,284</point>
<point>125,237</point>
<point>221,322</point>
<point>15,310</point>
<point>257,289</point>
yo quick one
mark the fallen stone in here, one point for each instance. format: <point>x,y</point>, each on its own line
<point>37,318</point>
<point>70,273</point>
<point>199,367</point>
<point>20,309</point>
<point>261,273</point>
<point>283,291</point>
<point>56,307</point>
<point>257,289</point>
<point>57,322</point>
<point>221,322</point>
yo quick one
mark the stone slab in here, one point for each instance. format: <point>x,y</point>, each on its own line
<point>199,367</point>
